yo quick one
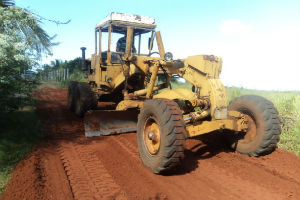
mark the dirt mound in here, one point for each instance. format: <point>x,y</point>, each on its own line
<point>70,166</point>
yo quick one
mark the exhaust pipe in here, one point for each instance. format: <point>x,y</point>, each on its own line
<point>83,61</point>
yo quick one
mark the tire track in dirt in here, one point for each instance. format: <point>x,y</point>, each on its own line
<point>232,184</point>
<point>223,175</point>
<point>162,187</point>
<point>87,176</point>
<point>58,182</point>
<point>127,146</point>
<point>243,176</point>
<point>124,165</point>
<point>275,186</point>
<point>130,146</point>
<point>266,163</point>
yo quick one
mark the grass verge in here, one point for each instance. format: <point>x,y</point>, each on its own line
<point>20,130</point>
<point>49,84</point>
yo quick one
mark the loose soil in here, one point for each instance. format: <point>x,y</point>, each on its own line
<point>69,166</point>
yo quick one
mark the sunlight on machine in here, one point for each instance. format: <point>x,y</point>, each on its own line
<point>129,89</point>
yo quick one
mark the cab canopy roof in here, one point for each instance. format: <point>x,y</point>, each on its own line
<point>120,22</point>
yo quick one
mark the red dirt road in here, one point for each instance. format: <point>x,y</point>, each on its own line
<point>69,166</point>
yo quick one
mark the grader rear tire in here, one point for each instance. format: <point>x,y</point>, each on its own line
<point>264,125</point>
<point>85,99</point>
<point>161,135</point>
<point>71,95</point>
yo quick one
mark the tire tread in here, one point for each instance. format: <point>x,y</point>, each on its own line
<point>173,129</point>
<point>87,98</point>
<point>271,123</point>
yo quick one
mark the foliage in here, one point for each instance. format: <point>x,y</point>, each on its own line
<point>233,93</point>
<point>21,24</point>
<point>22,42</point>
<point>73,66</point>
<point>77,75</point>
<point>12,63</point>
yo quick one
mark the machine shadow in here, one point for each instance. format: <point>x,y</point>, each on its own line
<point>200,148</point>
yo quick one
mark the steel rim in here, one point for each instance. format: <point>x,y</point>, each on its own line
<point>251,132</point>
<point>152,136</point>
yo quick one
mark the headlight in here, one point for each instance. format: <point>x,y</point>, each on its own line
<point>168,56</point>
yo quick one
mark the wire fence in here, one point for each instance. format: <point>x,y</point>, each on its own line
<point>55,75</point>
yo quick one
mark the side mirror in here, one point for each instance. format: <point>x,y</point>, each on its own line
<point>83,61</point>
<point>150,44</point>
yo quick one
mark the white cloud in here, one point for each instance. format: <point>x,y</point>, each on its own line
<point>235,26</point>
<point>266,58</point>
<point>262,60</point>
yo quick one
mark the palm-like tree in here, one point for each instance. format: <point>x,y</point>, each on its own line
<point>21,22</point>
<point>22,42</point>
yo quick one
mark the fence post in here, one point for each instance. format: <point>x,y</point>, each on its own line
<point>67,72</point>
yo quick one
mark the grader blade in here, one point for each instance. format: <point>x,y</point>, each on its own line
<point>109,122</point>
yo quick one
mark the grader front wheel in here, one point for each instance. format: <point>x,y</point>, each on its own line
<point>85,99</point>
<point>161,135</point>
<point>264,128</point>
<point>71,95</point>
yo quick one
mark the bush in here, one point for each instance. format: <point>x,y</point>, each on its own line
<point>77,75</point>
<point>19,132</point>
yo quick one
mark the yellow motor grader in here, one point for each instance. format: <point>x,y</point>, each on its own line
<point>129,89</point>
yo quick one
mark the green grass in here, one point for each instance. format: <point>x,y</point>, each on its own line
<point>19,132</point>
<point>49,84</point>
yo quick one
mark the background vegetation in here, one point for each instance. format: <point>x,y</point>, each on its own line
<point>73,66</point>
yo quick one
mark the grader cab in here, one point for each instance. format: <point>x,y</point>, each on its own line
<point>123,75</point>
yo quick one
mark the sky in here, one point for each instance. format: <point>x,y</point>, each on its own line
<point>258,40</point>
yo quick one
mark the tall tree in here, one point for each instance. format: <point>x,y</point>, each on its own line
<point>19,22</point>
<point>22,43</point>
